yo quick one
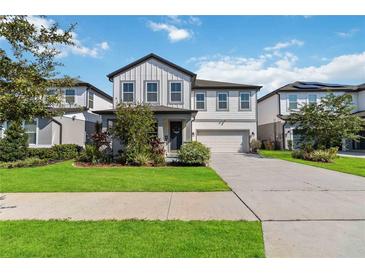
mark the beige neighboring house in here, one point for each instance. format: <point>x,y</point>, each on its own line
<point>274,107</point>
<point>76,124</point>
<point>219,114</point>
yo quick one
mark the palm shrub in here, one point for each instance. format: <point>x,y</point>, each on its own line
<point>14,145</point>
<point>194,153</point>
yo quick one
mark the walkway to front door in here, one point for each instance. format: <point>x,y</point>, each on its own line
<point>175,135</point>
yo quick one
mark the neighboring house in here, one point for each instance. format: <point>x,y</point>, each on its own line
<point>218,114</point>
<point>76,124</point>
<point>274,107</point>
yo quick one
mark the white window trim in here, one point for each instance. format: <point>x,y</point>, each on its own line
<point>158,92</point>
<point>205,100</point>
<point>122,91</point>
<point>36,133</point>
<point>289,109</point>
<point>181,92</point>
<point>217,95</point>
<point>249,101</point>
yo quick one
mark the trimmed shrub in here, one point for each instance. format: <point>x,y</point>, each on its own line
<point>319,155</point>
<point>42,153</point>
<point>90,154</point>
<point>66,151</point>
<point>255,145</point>
<point>194,153</point>
<point>14,145</point>
<point>29,162</point>
<point>290,144</point>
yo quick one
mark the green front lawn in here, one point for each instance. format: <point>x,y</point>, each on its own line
<point>351,165</point>
<point>131,239</point>
<point>64,177</point>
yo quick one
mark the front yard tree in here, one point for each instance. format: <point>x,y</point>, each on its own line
<point>327,123</point>
<point>134,126</point>
<point>27,67</point>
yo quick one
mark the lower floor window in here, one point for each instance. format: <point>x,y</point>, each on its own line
<point>30,128</point>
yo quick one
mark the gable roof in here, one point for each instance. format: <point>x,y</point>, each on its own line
<point>145,58</point>
<point>300,86</point>
<point>205,84</point>
<point>80,83</point>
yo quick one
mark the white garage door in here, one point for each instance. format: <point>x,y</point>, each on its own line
<point>224,140</point>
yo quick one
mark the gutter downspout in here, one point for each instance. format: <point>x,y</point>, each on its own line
<point>58,123</point>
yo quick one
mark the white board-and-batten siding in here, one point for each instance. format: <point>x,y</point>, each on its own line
<point>153,70</point>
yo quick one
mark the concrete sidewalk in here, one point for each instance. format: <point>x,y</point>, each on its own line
<point>124,205</point>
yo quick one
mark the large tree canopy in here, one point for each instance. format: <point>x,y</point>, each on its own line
<point>27,68</point>
<point>327,123</point>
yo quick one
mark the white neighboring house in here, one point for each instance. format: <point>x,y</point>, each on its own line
<point>76,124</point>
<point>274,107</point>
<point>219,114</point>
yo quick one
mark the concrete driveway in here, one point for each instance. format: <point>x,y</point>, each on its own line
<point>306,211</point>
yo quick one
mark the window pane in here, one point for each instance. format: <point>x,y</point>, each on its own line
<point>222,105</point>
<point>30,126</point>
<point>70,92</point>
<point>200,105</point>
<point>175,86</point>
<point>293,102</point>
<point>128,87</point>
<point>245,97</point>
<point>222,97</point>
<point>152,87</point>
<point>200,97</point>
<point>128,97</point>
<point>151,97</point>
<point>32,138</point>
<point>245,105</point>
<point>175,96</point>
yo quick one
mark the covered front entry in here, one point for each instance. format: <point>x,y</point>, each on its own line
<point>234,141</point>
<point>175,135</point>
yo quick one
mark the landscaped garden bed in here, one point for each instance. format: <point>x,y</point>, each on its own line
<point>131,239</point>
<point>351,165</point>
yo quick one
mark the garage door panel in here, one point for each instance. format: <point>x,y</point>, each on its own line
<point>224,140</point>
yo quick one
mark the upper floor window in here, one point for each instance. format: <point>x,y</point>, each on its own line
<point>293,101</point>
<point>30,128</point>
<point>70,96</point>
<point>175,92</point>
<point>222,100</point>
<point>312,99</point>
<point>91,100</point>
<point>245,101</point>
<point>127,92</point>
<point>151,92</point>
<point>200,101</point>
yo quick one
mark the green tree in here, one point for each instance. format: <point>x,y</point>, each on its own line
<point>134,126</point>
<point>327,123</point>
<point>14,145</point>
<point>28,68</point>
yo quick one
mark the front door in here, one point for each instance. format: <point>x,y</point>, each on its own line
<point>175,135</point>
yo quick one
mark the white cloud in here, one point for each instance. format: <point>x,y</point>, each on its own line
<point>277,71</point>
<point>175,34</point>
<point>347,34</point>
<point>79,48</point>
<point>283,45</point>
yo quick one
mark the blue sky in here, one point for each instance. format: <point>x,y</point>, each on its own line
<point>263,50</point>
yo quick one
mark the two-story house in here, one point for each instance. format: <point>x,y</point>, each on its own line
<point>274,107</point>
<point>218,114</point>
<point>77,122</point>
